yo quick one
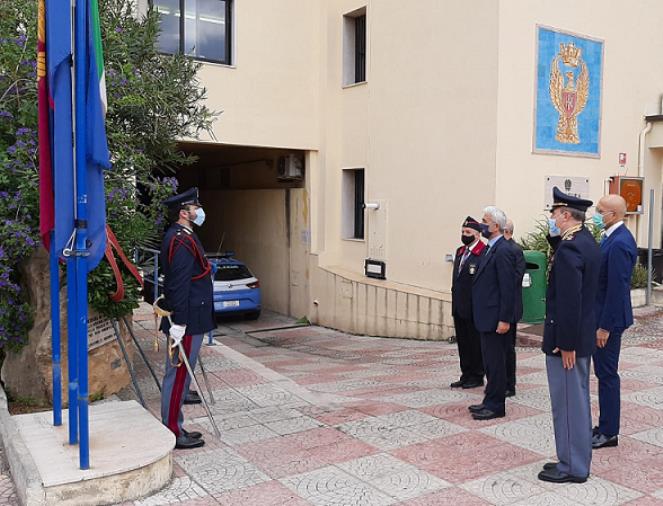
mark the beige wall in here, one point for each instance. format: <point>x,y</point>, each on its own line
<point>269,96</point>
<point>632,85</point>
<point>423,127</point>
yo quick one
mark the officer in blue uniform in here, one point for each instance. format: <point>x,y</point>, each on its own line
<point>569,336</point>
<point>613,312</point>
<point>188,295</point>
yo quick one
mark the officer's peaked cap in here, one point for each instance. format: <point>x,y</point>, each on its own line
<point>472,223</point>
<point>183,199</point>
<point>561,199</point>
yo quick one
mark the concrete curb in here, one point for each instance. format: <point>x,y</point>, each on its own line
<point>23,469</point>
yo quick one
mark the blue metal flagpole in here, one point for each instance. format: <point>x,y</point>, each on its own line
<point>55,334</point>
<point>81,249</point>
<point>72,355</point>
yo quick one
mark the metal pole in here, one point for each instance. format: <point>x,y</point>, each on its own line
<point>650,252</point>
<point>156,275</point>
<point>55,334</point>
<point>118,336</point>
<point>140,350</point>
<point>72,357</point>
<point>81,251</point>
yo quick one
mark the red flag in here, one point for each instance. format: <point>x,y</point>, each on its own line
<point>46,199</point>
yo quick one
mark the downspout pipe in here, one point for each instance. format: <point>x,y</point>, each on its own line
<point>641,168</point>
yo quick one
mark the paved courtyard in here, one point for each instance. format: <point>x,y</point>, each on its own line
<point>312,416</point>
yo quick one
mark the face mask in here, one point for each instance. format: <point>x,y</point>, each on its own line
<point>467,239</point>
<point>485,230</point>
<point>598,220</point>
<point>200,217</point>
<point>553,228</point>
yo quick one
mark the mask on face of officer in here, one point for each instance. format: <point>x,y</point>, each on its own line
<point>467,239</point>
<point>200,217</point>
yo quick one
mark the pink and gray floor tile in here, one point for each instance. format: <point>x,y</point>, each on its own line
<point>313,416</point>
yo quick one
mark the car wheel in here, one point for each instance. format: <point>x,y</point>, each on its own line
<point>254,315</point>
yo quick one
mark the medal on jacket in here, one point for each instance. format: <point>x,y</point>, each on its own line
<point>473,269</point>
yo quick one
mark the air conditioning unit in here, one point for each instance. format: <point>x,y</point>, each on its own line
<point>290,168</point>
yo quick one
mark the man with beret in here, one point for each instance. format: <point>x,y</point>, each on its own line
<point>614,314</point>
<point>520,272</point>
<point>466,264</point>
<point>493,305</point>
<point>188,295</point>
<point>569,336</point>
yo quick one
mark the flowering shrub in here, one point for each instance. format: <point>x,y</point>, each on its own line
<point>153,100</point>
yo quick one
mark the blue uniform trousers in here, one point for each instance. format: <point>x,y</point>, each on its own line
<point>572,417</point>
<point>511,359</point>
<point>176,381</point>
<point>494,347</point>
<point>606,364</point>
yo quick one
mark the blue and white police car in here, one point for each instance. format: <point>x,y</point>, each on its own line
<point>236,289</point>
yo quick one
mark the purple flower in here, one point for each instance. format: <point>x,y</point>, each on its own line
<point>118,29</point>
<point>6,114</point>
<point>23,131</point>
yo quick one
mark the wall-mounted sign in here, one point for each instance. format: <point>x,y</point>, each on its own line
<point>622,159</point>
<point>568,93</point>
<point>375,269</point>
<point>571,185</point>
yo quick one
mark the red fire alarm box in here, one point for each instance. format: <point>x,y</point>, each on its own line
<point>631,189</point>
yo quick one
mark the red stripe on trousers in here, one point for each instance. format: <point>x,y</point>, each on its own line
<point>178,389</point>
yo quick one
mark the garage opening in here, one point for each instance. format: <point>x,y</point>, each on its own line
<point>256,207</point>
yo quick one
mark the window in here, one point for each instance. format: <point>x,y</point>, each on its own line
<point>231,272</point>
<point>353,203</point>
<point>204,32</point>
<point>354,47</point>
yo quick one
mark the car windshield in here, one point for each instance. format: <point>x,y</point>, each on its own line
<point>230,272</point>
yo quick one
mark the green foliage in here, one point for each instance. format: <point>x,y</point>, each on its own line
<point>153,101</point>
<point>18,161</point>
<point>639,276</point>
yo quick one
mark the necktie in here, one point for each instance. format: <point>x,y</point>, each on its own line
<point>463,259</point>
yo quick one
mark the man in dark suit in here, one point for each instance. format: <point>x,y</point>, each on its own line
<point>493,304</point>
<point>569,337</point>
<point>466,265</point>
<point>613,312</point>
<point>520,272</point>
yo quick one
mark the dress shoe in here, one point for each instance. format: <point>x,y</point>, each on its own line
<point>550,465</point>
<point>458,384</point>
<point>473,384</point>
<point>185,442</point>
<point>509,393</point>
<point>486,414</point>
<point>554,476</point>
<point>595,431</point>
<point>602,441</point>
<point>192,398</point>
<point>475,407</point>
<point>193,434</point>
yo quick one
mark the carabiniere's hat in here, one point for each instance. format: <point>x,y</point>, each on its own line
<point>183,199</point>
<point>471,223</point>
<point>561,199</point>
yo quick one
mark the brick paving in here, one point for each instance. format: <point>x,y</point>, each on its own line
<point>312,416</point>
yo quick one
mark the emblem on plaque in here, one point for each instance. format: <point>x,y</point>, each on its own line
<point>569,91</point>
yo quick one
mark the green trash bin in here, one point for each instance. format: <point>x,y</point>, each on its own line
<point>534,287</point>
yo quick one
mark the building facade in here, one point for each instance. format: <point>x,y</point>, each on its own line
<point>368,129</point>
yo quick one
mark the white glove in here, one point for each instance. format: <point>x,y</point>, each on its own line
<point>176,334</point>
